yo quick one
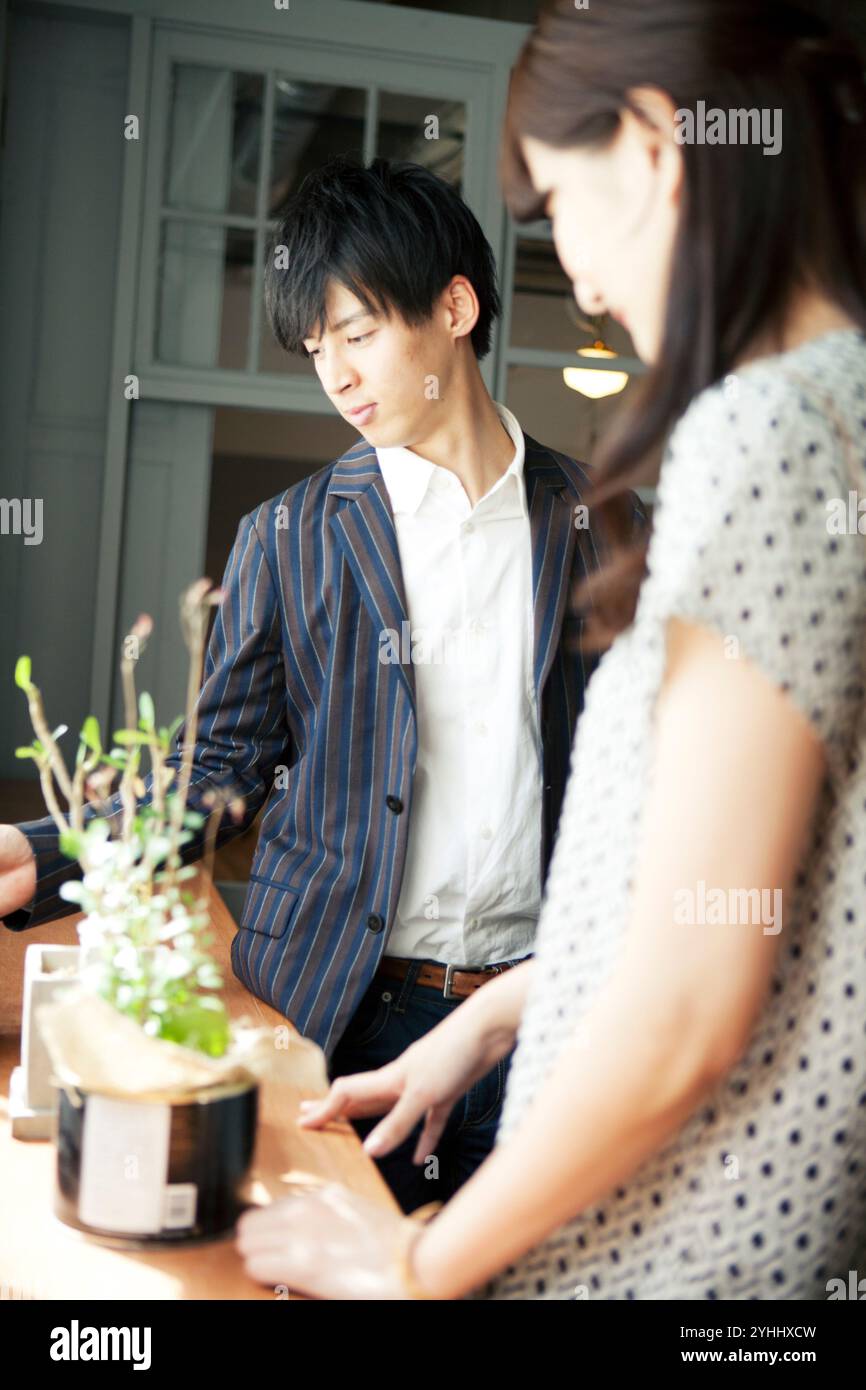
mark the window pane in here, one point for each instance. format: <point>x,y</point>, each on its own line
<point>557,416</point>
<point>543,309</point>
<point>215,137</point>
<point>204,295</point>
<point>257,454</point>
<point>313,122</point>
<point>425,130</point>
<point>274,359</point>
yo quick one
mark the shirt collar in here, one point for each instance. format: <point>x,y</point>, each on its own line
<point>408,476</point>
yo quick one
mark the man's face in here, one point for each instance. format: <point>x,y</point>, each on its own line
<point>385,377</point>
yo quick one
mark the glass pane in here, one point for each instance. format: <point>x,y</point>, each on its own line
<point>272,358</point>
<point>543,309</point>
<point>257,454</point>
<point>557,416</point>
<point>425,130</point>
<point>204,295</point>
<point>313,122</point>
<point>215,137</point>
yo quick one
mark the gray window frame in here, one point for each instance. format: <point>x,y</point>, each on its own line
<point>306,60</point>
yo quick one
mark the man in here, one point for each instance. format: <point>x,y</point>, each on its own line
<point>393,672</point>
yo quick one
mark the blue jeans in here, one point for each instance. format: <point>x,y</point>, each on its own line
<point>391,1015</point>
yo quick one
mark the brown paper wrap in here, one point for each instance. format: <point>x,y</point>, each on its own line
<point>95,1048</point>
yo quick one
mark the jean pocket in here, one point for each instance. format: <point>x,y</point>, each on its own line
<point>486,1094</point>
<point>268,909</point>
<point>369,1019</point>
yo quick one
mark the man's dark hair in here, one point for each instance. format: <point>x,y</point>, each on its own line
<point>393,233</point>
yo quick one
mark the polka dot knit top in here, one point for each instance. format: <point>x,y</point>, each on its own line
<point>762,1193</point>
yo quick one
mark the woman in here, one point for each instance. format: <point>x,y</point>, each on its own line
<point>686,1109</point>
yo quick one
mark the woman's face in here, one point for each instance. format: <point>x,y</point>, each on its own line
<point>614,213</point>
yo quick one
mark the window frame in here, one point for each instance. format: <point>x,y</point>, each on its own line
<point>476,85</point>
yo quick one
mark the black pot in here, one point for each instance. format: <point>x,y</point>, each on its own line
<point>145,1172</point>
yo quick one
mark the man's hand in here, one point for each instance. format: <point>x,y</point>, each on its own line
<point>17,870</point>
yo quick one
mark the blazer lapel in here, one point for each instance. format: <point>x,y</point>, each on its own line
<point>551,525</point>
<point>365,531</point>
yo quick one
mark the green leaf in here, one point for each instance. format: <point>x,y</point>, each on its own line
<point>129,736</point>
<point>194,819</point>
<point>71,843</point>
<point>22,672</point>
<point>26,753</point>
<point>202,1024</point>
<point>146,711</point>
<point>90,733</point>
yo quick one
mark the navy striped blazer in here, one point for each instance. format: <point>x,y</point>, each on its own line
<point>298,713</point>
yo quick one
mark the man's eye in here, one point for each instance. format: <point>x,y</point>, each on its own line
<point>362,337</point>
<point>313,352</point>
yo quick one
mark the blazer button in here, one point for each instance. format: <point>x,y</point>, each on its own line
<point>394,804</point>
<point>375,921</point>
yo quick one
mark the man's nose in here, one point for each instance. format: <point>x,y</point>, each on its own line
<point>337,375</point>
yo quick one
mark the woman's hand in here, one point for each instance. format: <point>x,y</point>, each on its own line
<point>433,1073</point>
<point>327,1243</point>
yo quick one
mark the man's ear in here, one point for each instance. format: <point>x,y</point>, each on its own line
<point>460,305</point>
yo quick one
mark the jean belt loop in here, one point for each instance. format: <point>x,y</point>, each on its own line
<point>407,985</point>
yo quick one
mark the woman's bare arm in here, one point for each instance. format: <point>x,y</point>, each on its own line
<point>737,770</point>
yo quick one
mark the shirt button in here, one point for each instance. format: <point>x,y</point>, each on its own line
<point>375,921</point>
<point>486,832</point>
<point>480,727</point>
<point>468,527</point>
<point>394,804</point>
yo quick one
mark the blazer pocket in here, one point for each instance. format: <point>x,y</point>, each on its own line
<point>269,909</point>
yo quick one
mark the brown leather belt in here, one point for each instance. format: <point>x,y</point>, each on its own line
<point>455,981</point>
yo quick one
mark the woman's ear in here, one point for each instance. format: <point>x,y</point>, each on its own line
<point>653,131</point>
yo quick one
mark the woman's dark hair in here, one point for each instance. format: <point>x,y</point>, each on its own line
<point>393,233</point>
<point>752,226</point>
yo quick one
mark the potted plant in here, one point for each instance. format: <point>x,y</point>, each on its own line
<point>158,1146</point>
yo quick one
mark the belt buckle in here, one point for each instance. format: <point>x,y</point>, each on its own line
<point>449,972</point>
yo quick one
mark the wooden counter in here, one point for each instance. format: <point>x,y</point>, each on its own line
<point>41,1258</point>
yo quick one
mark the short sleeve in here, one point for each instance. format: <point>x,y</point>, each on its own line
<point>755,542</point>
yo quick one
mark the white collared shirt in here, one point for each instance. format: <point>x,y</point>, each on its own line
<point>471,889</point>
